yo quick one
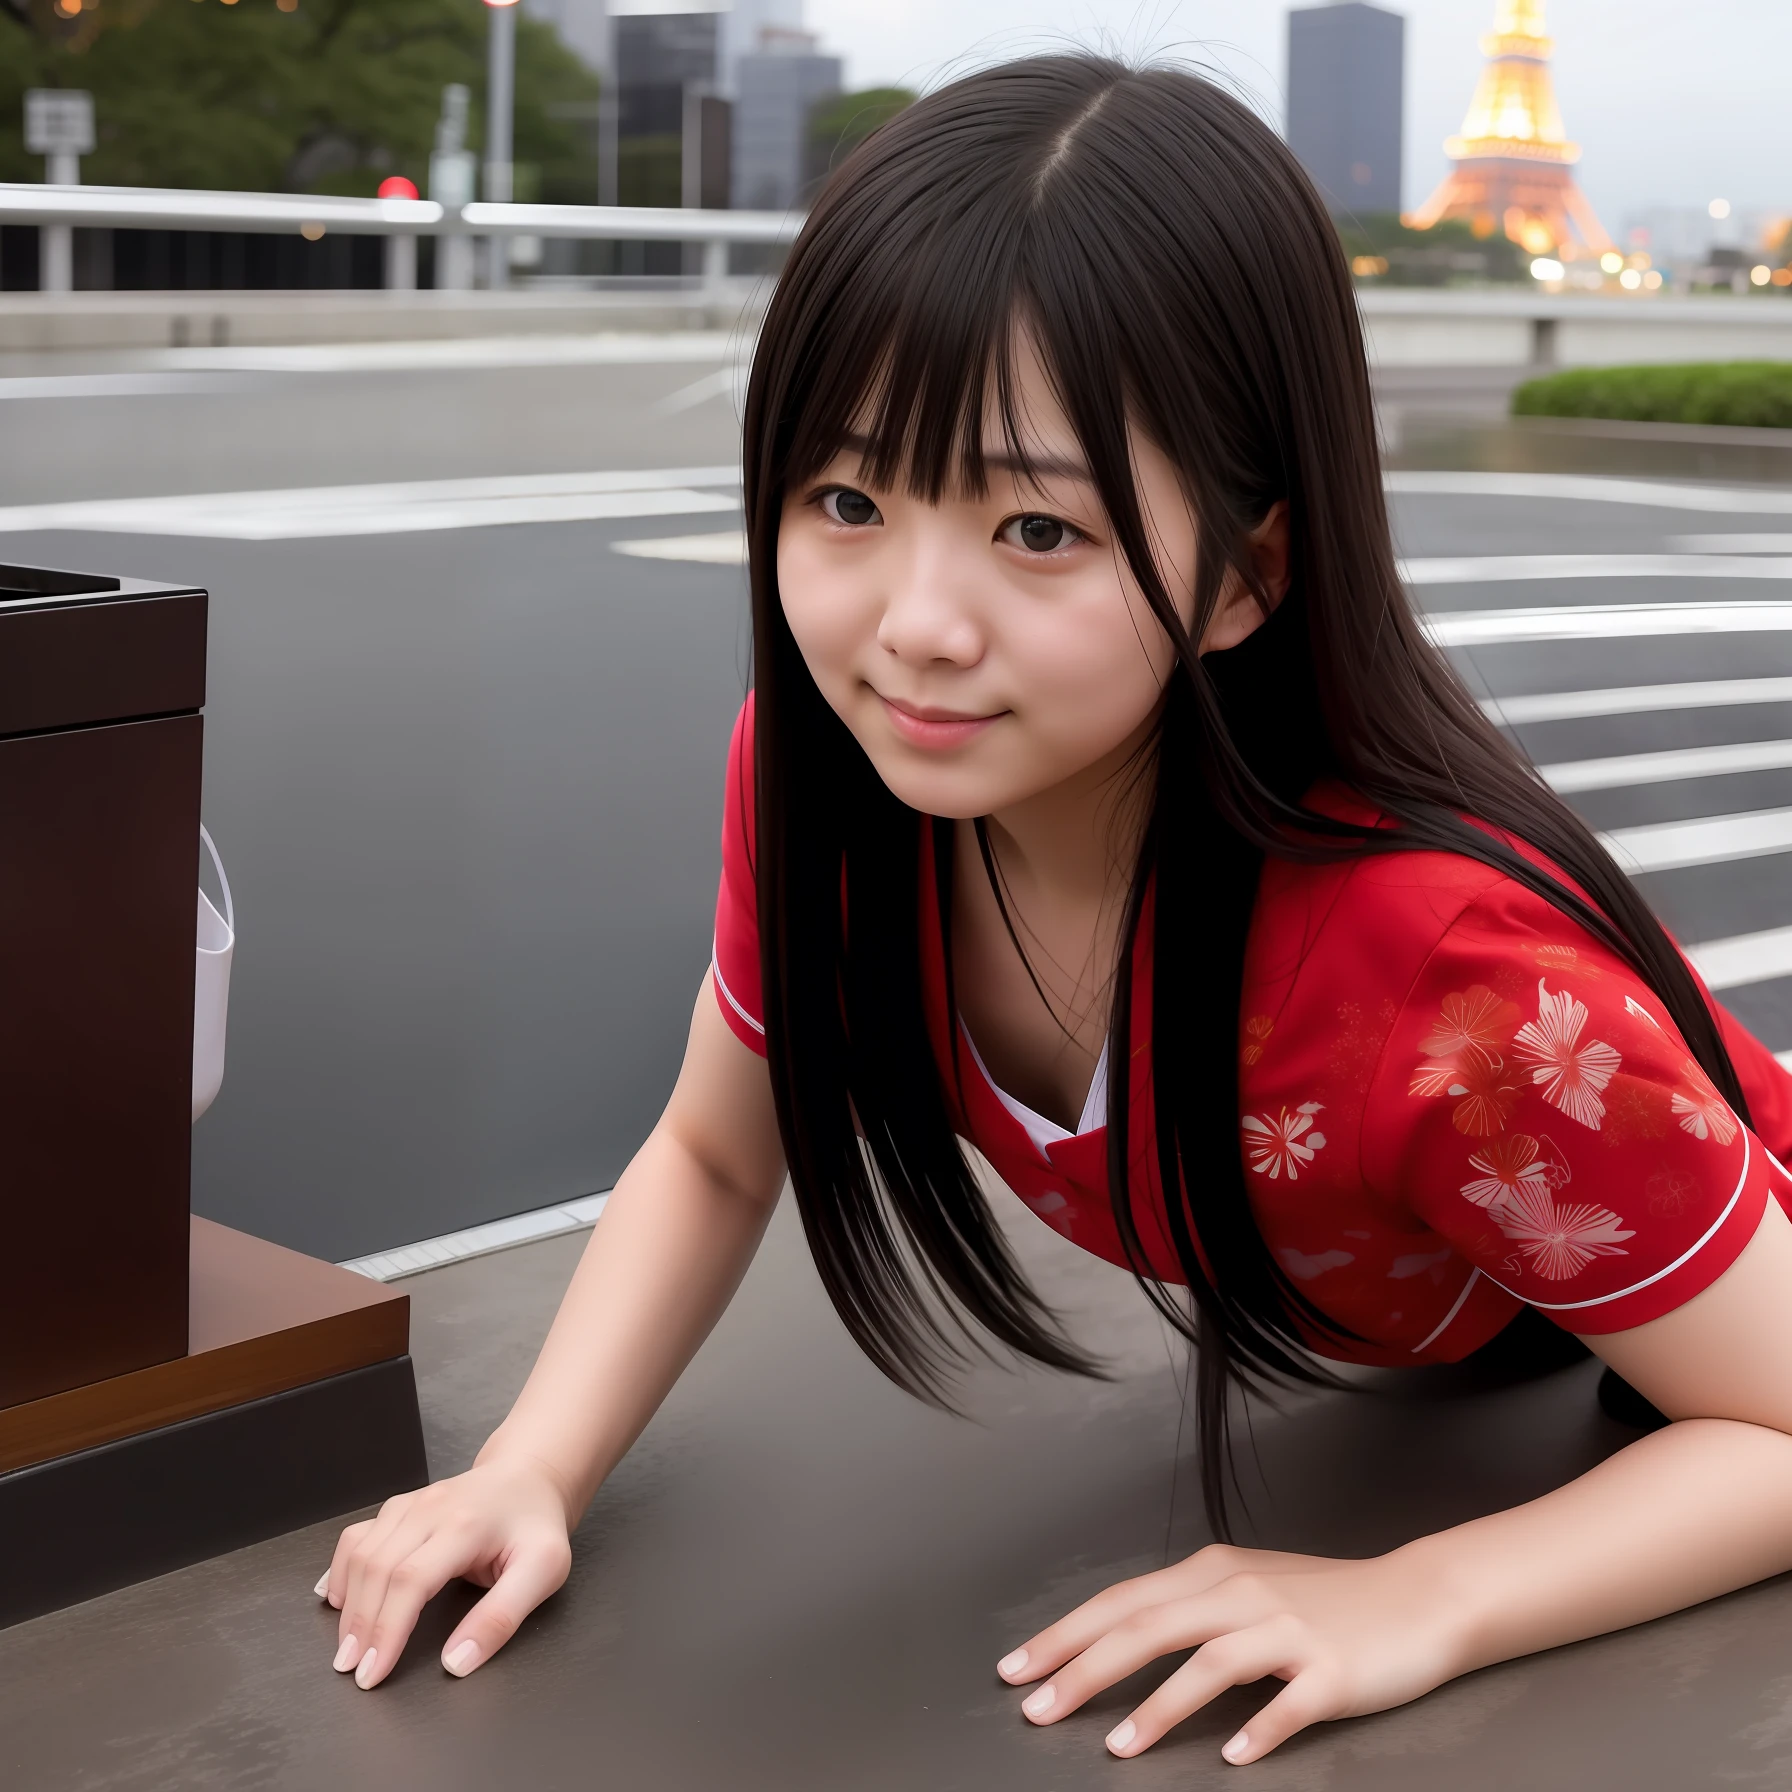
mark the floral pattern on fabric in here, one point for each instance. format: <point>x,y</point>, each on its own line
<point>1559,1240</point>
<point>1282,1143</point>
<point>1699,1108</point>
<point>1517,1185</point>
<point>1572,1074</point>
<point>1465,1058</point>
<point>1257,1031</point>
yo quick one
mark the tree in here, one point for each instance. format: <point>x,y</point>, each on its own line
<point>328,97</point>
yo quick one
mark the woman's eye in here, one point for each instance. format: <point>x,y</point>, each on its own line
<point>1038,534</point>
<point>843,505</point>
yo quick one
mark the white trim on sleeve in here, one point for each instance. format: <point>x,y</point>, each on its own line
<point>1443,1325</point>
<point>715,970</point>
<point>1570,1306</point>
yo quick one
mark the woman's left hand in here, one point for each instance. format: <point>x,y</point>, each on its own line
<point>1349,1637</point>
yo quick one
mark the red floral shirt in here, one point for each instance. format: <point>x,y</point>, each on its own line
<point>1452,1101</point>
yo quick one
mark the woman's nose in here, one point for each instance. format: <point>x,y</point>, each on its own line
<point>926,619</point>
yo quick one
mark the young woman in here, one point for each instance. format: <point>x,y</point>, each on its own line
<point>1101,802</point>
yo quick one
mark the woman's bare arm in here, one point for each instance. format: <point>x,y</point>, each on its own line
<point>676,1237</point>
<point>1689,1512</point>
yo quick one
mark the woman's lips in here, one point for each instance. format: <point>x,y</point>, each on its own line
<point>936,728</point>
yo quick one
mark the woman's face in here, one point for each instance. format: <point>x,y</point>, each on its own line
<point>986,650</point>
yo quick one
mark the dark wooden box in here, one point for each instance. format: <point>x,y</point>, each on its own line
<point>101,685</point>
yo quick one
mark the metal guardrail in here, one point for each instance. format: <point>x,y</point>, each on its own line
<point>400,221</point>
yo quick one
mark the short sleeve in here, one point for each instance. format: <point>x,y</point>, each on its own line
<point>1537,1108</point>
<point>735,966</point>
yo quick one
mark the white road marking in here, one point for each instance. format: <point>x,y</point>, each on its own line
<point>725,382</point>
<point>1597,622</point>
<point>124,384</point>
<point>479,1241</point>
<point>1731,544</point>
<point>1490,569</point>
<point>1586,488</point>
<point>1622,770</point>
<point>727,548</point>
<point>310,512</point>
<point>1704,840</point>
<point>1637,699</point>
<point>1744,958</point>
<point>598,349</point>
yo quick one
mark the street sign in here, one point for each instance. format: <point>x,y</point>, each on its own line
<point>58,121</point>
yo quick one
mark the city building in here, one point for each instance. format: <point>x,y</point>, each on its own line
<point>1513,158</point>
<point>776,88</point>
<point>1346,88</point>
<point>584,27</point>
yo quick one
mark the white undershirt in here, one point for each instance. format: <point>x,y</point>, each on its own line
<point>1041,1131</point>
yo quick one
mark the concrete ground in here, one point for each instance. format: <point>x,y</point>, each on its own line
<point>801,1581</point>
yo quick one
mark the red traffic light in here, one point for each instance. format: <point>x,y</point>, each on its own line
<point>395,186</point>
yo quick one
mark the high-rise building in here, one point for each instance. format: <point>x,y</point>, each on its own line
<point>1513,157</point>
<point>659,56</point>
<point>776,88</point>
<point>1346,87</point>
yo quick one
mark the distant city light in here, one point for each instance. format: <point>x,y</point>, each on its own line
<point>1544,268</point>
<point>1611,261</point>
<point>1782,276</point>
<point>1368,265</point>
<point>1630,279</point>
<point>1759,276</point>
<point>1652,281</point>
<point>311,232</point>
<point>1719,208</point>
<point>396,186</point>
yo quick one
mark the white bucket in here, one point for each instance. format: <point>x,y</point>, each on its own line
<point>211,987</point>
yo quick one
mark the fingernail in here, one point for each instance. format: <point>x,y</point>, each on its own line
<point>364,1673</point>
<point>322,1587</point>
<point>1041,1702</point>
<point>463,1658</point>
<point>347,1655</point>
<point>1121,1736</point>
<point>1010,1665</point>
<point>1236,1746</point>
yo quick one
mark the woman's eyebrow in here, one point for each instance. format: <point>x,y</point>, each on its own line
<point>1045,466</point>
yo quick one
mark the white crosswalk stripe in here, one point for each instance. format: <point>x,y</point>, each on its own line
<point>1622,770</point>
<point>1592,488</point>
<point>1704,840</point>
<point>1499,569</point>
<point>1601,622</point>
<point>1744,958</point>
<point>1639,699</point>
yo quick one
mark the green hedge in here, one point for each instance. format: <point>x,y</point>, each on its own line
<point>1747,394</point>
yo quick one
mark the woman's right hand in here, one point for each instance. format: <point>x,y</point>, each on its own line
<point>502,1525</point>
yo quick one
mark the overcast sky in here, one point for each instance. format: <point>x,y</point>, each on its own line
<point>1674,103</point>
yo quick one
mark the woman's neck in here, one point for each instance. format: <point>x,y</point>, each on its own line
<point>1076,844</point>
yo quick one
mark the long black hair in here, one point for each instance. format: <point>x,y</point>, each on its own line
<point>1178,275</point>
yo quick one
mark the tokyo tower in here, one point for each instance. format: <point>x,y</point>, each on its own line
<point>1513,156</point>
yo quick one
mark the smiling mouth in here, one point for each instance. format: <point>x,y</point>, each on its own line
<point>924,726</point>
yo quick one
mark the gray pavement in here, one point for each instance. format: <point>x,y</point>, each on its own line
<point>800,1581</point>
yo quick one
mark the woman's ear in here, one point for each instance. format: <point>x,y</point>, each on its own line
<point>1237,614</point>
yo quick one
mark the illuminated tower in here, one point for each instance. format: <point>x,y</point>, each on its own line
<point>1513,157</point>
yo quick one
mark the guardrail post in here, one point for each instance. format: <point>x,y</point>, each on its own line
<point>401,262</point>
<point>56,242</point>
<point>715,264</point>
